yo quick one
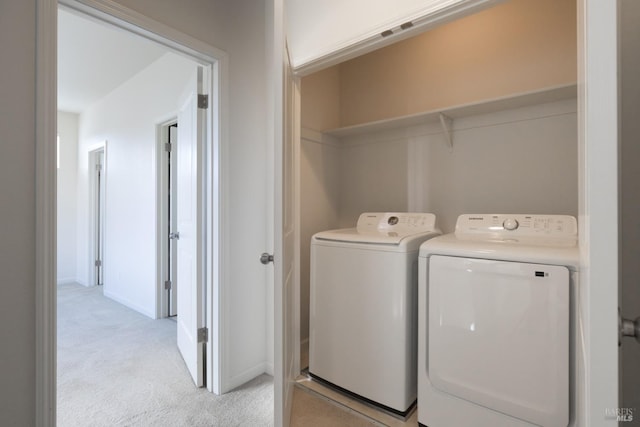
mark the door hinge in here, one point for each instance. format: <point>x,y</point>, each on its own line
<point>98,263</point>
<point>167,147</point>
<point>167,284</point>
<point>203,335</point>
<point>203,101</point>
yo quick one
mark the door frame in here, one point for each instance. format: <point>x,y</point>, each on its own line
<point>162,206</point>
<point>95,209</point>
<point>597,296</point>
<point>216,177</point>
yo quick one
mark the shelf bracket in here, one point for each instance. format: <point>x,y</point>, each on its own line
<point>447,125</point>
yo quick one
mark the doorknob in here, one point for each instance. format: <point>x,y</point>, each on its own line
<point>266,258</point>
<point>628,328</point>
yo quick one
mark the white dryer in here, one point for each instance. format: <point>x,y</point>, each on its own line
<point>363,307</point>
<point>494,322</point>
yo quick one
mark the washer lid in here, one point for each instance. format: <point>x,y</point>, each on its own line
<point>383,228</point>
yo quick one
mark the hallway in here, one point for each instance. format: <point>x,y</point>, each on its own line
<point>117,367</point>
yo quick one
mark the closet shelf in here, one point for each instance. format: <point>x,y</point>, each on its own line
<point>446,115</point>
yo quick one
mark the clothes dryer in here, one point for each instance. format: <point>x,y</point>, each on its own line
<point>363,307</point>
<point>494,322</point>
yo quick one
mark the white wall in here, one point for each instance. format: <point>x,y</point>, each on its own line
<point>127,119</point>
<point>238,28</point>
<point>521,160</point>
<point>66,198</point>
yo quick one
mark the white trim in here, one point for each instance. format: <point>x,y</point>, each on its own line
<point>46,110</point>
<point>162,192</point>
<point>141,25</point>
<point>314,136</point>
<point>246,375</point>
<point>498,118</point>
<point>218,204</point>
<point>45,274</point>
<point>297,221</point>
<point>598,206</point>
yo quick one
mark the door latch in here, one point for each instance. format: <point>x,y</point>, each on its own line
<point>266,258</point>
<point>628,328</point>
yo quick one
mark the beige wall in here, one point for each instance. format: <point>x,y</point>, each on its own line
<point>320,99</point>
<point>518,46</point>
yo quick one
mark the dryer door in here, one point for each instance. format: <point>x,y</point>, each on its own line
<point>499,336</point>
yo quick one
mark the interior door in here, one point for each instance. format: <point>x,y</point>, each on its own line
<point>189,275</point>
<point>100,210</point>
<point>172,309</point>
<point>629,62</point>
<point>286,339</point>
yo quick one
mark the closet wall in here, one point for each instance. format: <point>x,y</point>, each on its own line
<point>517,156</point>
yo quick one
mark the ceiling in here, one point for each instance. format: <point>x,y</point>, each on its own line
<point>94,58</point>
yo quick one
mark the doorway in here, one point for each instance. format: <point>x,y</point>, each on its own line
<point>97,209</point>
<point>207,68</point>
<point>168,233</point>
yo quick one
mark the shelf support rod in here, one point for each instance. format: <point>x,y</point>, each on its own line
<point>447,125</point>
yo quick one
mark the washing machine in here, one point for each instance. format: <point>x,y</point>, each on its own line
<point>363,307</point>
<point>494,322</point>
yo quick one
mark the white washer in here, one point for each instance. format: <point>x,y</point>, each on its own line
<point>363,307</point>
<point>494,322</point>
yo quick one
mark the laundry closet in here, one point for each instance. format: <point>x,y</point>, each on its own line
<point>477,115</point>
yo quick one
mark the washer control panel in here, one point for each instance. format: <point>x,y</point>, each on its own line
<point>402,223</point>
<point>514,225</point>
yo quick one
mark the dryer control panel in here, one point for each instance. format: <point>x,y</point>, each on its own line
<point>516,225</point>
<point>402,223</point>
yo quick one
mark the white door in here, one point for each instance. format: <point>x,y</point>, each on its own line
<point>629,373</point>
<point>189,272</point>
<point>172,225</point>
<point>286,345</point>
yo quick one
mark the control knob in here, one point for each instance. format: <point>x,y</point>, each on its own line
<point>510,224</point>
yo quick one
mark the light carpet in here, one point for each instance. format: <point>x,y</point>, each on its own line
<point>117,367</point>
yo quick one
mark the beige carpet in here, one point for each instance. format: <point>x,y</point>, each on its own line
<point>117,367</point>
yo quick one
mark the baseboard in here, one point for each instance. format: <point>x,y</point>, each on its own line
<point>66,281</point>
<point>269,368</point>
<point>246,376</point>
